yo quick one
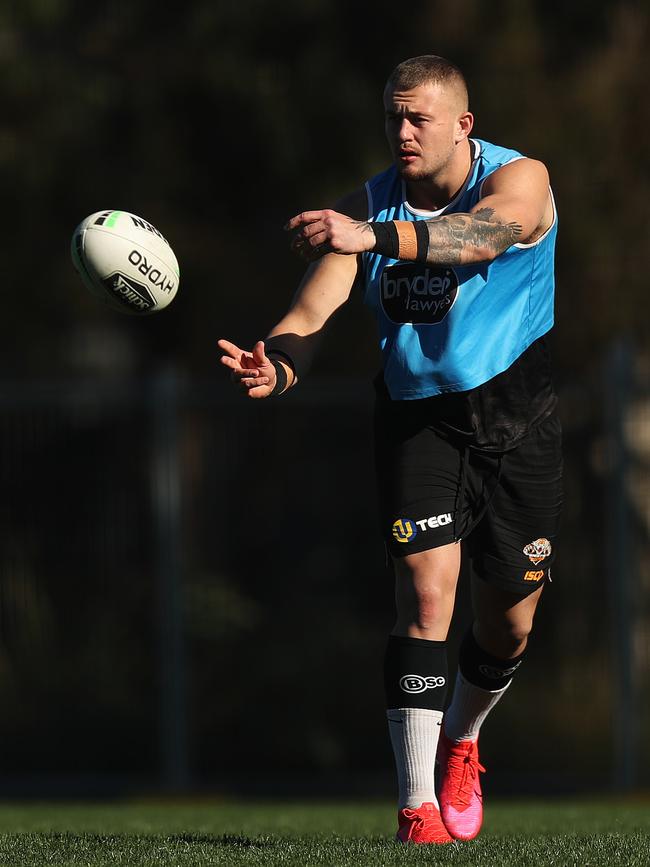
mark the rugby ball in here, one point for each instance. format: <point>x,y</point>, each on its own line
<point>125,262</point>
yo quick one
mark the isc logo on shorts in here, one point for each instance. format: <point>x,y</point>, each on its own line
<point>406,529</point>
<point>534,576</point>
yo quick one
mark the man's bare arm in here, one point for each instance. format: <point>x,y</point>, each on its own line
<point>514,207</point>
<point>459,239</point>
<point>324,289</point>
<point>293,341</point>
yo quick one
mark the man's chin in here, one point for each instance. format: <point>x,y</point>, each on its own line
<point>410,172</point>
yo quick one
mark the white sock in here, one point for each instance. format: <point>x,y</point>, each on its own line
<point>468,709</point>
<point>414,735</point>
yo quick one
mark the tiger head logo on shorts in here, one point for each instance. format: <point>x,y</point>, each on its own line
<point>538,550</point>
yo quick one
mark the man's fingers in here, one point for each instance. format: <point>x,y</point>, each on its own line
<point>236,368</point>
<point>259,391</point>
<point>232,350</point>
<point>319,239</point>
<point>311,254</point>
<point>258,386</point>
<point>303,219</point>
<point>230,362</point>
<point>315,228</point>
<point>259,356</point>
<point>240,361</point>
<point>240,375</point>
<point>244,368</point>
<point>236,359</point>
<point>299,245</point>
<point>255,382</point>
<point>306,242</point>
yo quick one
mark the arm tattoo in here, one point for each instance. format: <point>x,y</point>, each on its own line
<point>453,237</point>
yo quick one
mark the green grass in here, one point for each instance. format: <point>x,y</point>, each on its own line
<point>340,834</point>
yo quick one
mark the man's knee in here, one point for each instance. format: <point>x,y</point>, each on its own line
<point>423,606</point>
<point>518,629</point>
<point>503,636</point>
<point>514,635</point>
<point>503,621</point>
<point>425,591</point>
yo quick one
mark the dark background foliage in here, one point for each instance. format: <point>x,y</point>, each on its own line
<point>216,121</point>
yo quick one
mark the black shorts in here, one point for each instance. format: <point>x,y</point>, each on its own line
<point>505,507</point>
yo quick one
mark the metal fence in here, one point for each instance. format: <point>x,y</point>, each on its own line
<point>193,593</point>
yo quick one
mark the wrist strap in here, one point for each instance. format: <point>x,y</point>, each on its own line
<point>386,239</point>
<point>281,378</point>
<point>273,351</point>
<point>402,239</point>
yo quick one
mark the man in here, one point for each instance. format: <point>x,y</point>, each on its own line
<point>454,244</point>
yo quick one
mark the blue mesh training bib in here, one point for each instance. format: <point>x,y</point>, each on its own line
<point>445,329</point>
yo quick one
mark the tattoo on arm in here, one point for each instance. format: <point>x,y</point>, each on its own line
<point>453,239</point>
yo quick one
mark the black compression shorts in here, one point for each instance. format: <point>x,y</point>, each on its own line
<point>504,506</point>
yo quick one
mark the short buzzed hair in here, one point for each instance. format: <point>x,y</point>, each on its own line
<point>428,68</point>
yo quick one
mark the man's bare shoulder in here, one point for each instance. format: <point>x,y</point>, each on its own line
<point>520,191</point>
<point>521,171</point>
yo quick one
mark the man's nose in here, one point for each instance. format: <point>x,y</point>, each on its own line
<point>405,132</point>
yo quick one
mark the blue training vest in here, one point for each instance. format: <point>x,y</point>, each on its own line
<point>445,329</point>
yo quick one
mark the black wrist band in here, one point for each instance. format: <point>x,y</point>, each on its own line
<point>422,235</point>
<point>281,377</point>
<point>387,239</point>
<point>283,355</point>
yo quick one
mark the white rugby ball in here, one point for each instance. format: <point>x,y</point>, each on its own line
<point>125,261</point>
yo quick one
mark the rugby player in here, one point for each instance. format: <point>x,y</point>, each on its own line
<point>454,246</point>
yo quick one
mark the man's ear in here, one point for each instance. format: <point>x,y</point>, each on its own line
<point>464,126</point>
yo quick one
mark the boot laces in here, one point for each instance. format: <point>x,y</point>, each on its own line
<point>464,768</point>
<point>418,821</point>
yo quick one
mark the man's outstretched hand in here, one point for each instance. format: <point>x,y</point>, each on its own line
<point>253,371</point>
<point>327,231</point>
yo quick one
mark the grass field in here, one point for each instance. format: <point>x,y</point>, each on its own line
<point>340,834</point>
